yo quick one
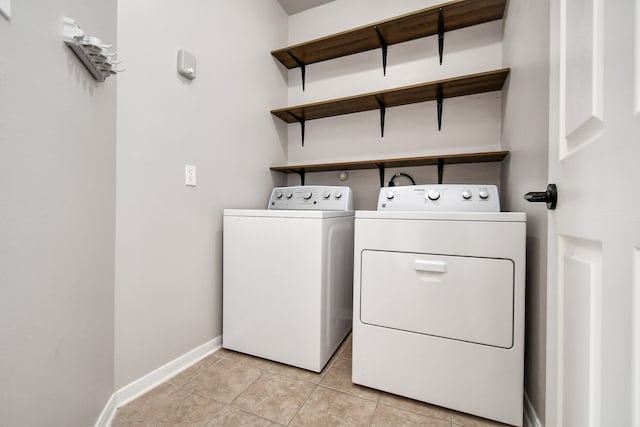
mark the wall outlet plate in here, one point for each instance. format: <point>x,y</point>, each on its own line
<point>5,9</point>
<point>190,175</point>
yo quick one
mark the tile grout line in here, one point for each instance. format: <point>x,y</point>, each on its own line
<point>231,405</point>
<point>215,400</point>
<point>302,406</point>
<point>450,416</point>
<point>373,414</point>
<point>350,394</point>
<point>326,369</point>
<point>266,371</point>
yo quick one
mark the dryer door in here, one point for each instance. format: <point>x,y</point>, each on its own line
<point>453,297</point>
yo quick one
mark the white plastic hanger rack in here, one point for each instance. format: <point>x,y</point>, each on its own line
<point>90,50</point>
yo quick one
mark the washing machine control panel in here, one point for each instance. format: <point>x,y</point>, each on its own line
<point>440,198</point>
<point>312,197</point>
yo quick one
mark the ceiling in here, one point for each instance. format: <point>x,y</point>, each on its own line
<point>294,6</point>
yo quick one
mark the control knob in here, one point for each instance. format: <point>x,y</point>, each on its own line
<point>466,194</point>
<point>390,195</point>
<point>289,194</point>
<point>307,195</point>
<point>278,194</point>
<point>484,194</point>
<point>338,194</point>
<point>433,195</point>
<point>326,194</point>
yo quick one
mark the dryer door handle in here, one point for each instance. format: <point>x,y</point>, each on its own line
<point>429,266</point>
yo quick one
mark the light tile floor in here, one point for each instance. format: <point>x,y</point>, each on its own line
<point>233,389</point>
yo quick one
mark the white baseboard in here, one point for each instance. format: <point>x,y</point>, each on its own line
<point>530,416</point>
<point>108,412</point>
<point>140,386</point>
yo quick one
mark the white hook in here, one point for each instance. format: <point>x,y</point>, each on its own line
<point>90,50</point>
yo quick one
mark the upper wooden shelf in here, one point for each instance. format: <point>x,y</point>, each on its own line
<point>482,157</point>
<point>436,90</point>
<point>422,23</point>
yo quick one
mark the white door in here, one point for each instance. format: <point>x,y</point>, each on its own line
<point>593,323</point>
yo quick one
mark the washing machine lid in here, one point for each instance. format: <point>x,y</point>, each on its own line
<point>266,213</point>
<point>444,216</point>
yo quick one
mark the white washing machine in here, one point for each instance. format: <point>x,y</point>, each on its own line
<point>288,276</point>
<point>439,287</point>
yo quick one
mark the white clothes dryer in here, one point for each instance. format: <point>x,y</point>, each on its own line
<point>439,299</point>
<point>288,276</point>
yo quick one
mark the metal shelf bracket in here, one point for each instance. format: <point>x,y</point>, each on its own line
<point>381,170</point>
<point>301,121</point>
<point>440,170</point>
<point>383,109</point>
<point>301,172</point>
<point>439,99</point>
<point>303,68</point>
<point>440,34</point>
<point>384,45</point>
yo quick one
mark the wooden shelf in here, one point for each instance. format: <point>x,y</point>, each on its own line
<point>422,23</point>
<point>381,100</point>
<point>382,164</point>
<point>458,86</point>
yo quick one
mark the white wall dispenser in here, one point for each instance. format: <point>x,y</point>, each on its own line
<point>90,50</point>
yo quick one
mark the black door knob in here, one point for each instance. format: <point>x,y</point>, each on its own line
<point>550,197</point>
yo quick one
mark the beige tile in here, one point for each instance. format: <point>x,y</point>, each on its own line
<point>185,376</point>
<point>339,377</point>
<point>416,406</point>
<point>150,398</point>
<point>274,397</point>
<point>224,381</point>
<point>327,407</point>
<point>249,360</point>
<point>121,421</point>
<point>389,416</point>
<point>345,348</point>
<point>126,417</point>
<point>171,405</point>
<point>223,352</point>
<point>460,419</point>
<point>211,359</point>
<point>233,417</point>
<point>297,373</point>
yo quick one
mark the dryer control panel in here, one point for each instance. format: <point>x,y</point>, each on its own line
<point>312,197</point>
<point>440,198</point>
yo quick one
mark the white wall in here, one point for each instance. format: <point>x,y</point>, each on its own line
<point>169,236</point>
<point>525,134</point>
<point>57,207</point>
<point>470,124</point>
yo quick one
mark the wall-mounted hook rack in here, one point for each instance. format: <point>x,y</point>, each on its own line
<point>90,50</point>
